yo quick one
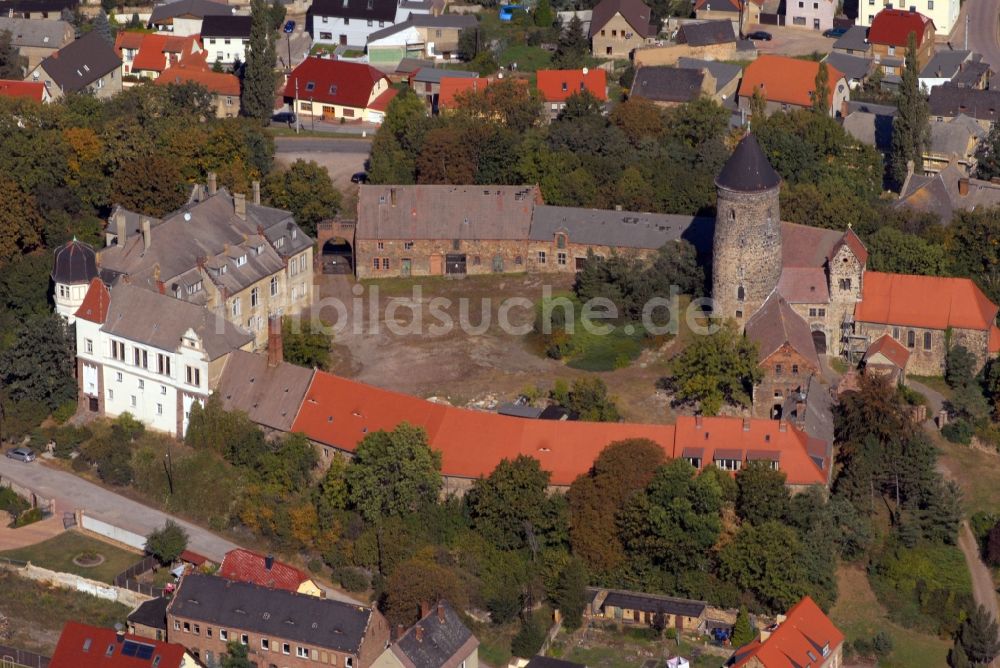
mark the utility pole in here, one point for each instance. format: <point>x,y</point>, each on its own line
<point>288,40</point>
<point>967,19</point>
<point>295,107</point>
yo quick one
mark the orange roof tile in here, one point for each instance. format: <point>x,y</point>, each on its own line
<point>891,349</point>
<point>557,85</point>
<point>94,306</point>
<point>381,103</point>
<point>340,412</point>
<point>994,343</point>
<point>931,302</point>
<point>31,89</point>
<point>333,82</point>
<point>220,83</point>
<point>85,646</point>
<point>805,638</point>
<point>452,86</point>
<point>153,49</point>
<point>246,566</point>
<point>785,80</point>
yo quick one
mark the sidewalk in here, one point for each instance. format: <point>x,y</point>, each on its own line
<point>12,539</point>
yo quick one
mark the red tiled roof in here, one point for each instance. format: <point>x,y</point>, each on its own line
<point>931,302</point>
<point>785,80</point>
<point>557,85</point>
<point>891,349</point>
<point>32,89</point>
<point>452,86</point>
<point>994,343</point>
<point>246,566</point>
<point>220,83</point>
<point>154,49</point>
<point>333,82</point>
<point>94,306</point>
<point>853,242</point>
<point>381,103</point>
<point>193,557</point>
<point>803,639</point>
<point>84,646</point>
<point>893,27</point>
<point>340,412</point>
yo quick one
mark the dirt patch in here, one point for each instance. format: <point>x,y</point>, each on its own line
<point>88,559</point>
<point>462,365</point>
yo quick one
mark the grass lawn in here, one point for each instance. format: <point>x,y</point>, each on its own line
<point>981,491</point>
<point>37,613</point>
<point>57,554</point>
<point>528,58</point>
<point>936,383</point>
<point>859,615</point>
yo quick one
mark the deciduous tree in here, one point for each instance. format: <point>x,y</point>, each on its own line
<point>717,369</point>
<point>305,189</point>
<point>167,542</point>
<point>304,343</point>
<point>507,507</point>
<point>761,494</point>
<point>766,560</point>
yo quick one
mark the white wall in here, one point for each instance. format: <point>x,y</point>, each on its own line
<point>944,13</point>
<point>218,49</point>
<point>328,29</point>
<point>117,534</point>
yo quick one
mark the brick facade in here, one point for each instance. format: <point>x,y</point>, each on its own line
<point>437,257</point>
<point>786,373</point>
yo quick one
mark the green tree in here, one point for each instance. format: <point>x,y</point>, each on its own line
<point>12,64</point>
<point>978,637</point>
<point>419,581</point>
<point>960,366</point>
<point>332,493</point>
<point>468,44</point>
<point>743,631</point>
<point>894,251</point>
<point>277,12</point>
<point>758,106</point>
<point>987,153</point>
<point>761,494</point>
<point>821,90</point>
<point>529,638</point>
<point>39,366</point>
<point>910,127</point>
<point>152,185</point>
<point>259,84</point>
<point>715,370</point>
<point>543,14</point>
<point>103,28</point>
<point>20,221</point>
<point>229,433</point>
<point>305,189</point>
<point>588,398</point>
<point>507,507</point>
<point>505,102</point>
<point>973,248</point>
<point>573,47</point>
<point>571,593</point>
<point>236,656</point>
<point>305,345</point>
<point>766,560</point>
<point>167,542</point>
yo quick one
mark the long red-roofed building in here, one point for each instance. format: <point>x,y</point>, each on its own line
<point>85,646</point>
<point>803,637</point>
<point>243,565</point>
<point>336,89</point>
<point>33,90</point>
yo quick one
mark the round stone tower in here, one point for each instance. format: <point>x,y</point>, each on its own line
<point>746,250</point>
<point>74,266</point>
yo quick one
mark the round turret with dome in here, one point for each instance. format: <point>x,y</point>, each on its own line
<point>746,249</point>
<point>74,265</point>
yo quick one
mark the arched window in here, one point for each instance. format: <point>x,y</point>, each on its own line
<point>560,241</point>
<point>911,338</point>
<point>927,340</point>
<point>732,214</point>
<point>741,294</point>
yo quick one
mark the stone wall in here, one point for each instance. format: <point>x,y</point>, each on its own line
<point>785,372</point>
<point>929,360</point>
<point>77,583</point>
<point>426,257</point>
<point>31,496</point>
<point>669,55</point>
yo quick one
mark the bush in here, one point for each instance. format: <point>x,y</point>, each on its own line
<point>315,565</point>
<point>11,502</point>
<point>959,431</point>
<point>352,579</point>
<point>643,633</point>
<point>27,517</point>
<point>528,640</point>
<point>20,417</point>
<point>64,412</point>
<point>882,644</point>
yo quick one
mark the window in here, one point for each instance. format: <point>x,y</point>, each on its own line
<point>369,23</point>
<point>142,384</point>
<point>777,369</point>
<point>407,245</point>
<point>541,257</point>
<point>614,33</point>
<point>193,376</point>
<point>892,51</point>
<point>245,639</point>
<point>301,652</point>
<point>741,294</point>
<point>381,245</point>
<point>118,350</point>
<point>223,634</point>
<point>911,338</point>
<point>895,333</point>
<point>795,369</point>
<point>274,286</point>
<point>376,263</point>
<point>603,33</point>
<point>177,625</point>
<point>236,307</point>
<point>159,409</point>
<point>456,244</point>
<point>111,394</point>
<point>561,241</point>
<point>381,24</point>
<point>254,298</point>
<point>163,389</point>
<point>187,627</point>
<point>241,260</point>
<point>311,86</point>
<point>930,4</point>
<point>518,260</point>
<point>197,629</point>
<point>476,260</point>
<point>812,313</point>
<point>88,345</point>
<point>265,644</point>
<point>118,376</point>
<point>561,258</point>
<point>348,662</point>
<point>385,263</point>
<point>821,312</point>
<point>927,340</point>
<point>286,648</point>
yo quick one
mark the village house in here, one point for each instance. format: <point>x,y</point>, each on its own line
<point>671,86</point>
<point>944,13</point>
<point>555,87</point>
<point>85,645</point>
<point>224,87</point>
<point>802,637</point>
<point>351,22</point>
<point>953,142</point>
<point>427,83</point>
<point>146,55</point>
<point>225,38</point>
<point>618,27</point>
<point>706,33</point>
<point>49,10</point>
<point>812,14</point>
<point>452,88</point>
<point>889,36</point>
<point>419,36</point>
<point>730,10</point>
<point>726,76</point>
<point>887,357</point>
<point>950,100</point>
<point>150,355</point>
<point>790,83</point>
<point>946,192</point>
<point>639,608</point>
<point>438,640</point>
<point>295,630</point>
<point>185,17</point>
<point>965,69</point>
<point>37,39</point>
<point>871,124</point>
<point>241,565</point>
<point>854,42</point>
<point>149,619</point>
<point>239,260</point>
<point>338,90</point>
<point>856,69</point>
<point>88,64</point>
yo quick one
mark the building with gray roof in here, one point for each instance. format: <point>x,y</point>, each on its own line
<point>953,141</point>
<point>854,42</point>
<point>949,100</point>
<point>619,229</point>
<point>726,75</point>
<point>670,86</point>
<point>706,33</point>
<point>854,68</point>
<point>37,39</point>
<point>946,192</point>
<point>438,640</point>
<point>87,64</point>
<point>266,388</point>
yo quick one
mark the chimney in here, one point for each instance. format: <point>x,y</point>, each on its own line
<point>963,186</point>
<point>120,227</point>
<point>256,192</point>
<point>440,612</point>
<point>419,633</point>
<point>782,425</point>
<point>425,609</point>
<point>746,424</point>
<point>697,422</point>
<point>147,238</point>
<point>399,631</point>
<point>119,632</point>
<point>269,562</point>
<point>213,183</point>
<point>240,205</point>
<point>275,347</point>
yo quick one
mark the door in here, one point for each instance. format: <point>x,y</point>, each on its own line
<point>407,264</point>
<point>437,265</point>
<point>455,263</point>
<point>815,24</point>
<point>93,404</point>
<point>343,40</point>
<point>497,264</point>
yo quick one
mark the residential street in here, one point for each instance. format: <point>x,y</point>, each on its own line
<point>984,18</point>
<point>321,145</point>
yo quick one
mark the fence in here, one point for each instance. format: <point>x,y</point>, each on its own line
<point>11,657</point>
<point>103,590</point>
<point>126,579</point>
<point>117,534</point>
<point>772,19</point>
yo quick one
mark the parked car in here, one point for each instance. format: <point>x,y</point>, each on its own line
<point>289,27</point>
<point>22,454</point>
<point>284,117</point>
<point>835,32</point>
<point>359,177</point>
<point>760,36</point>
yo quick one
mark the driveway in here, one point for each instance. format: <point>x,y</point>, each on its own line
<point>789,41</point>
<point>982,24</point>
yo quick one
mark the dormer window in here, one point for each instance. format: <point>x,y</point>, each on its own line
<point>279,242</point>
<point>311,86</point>
<point>222,269</point>
<point>196,287</point>
<point>295,233</point>
<point>333,89</point>
<point>565,86</point>
<point>258,249</point>
<point>241,260</point>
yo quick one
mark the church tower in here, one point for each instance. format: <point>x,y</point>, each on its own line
<point>746,250</point>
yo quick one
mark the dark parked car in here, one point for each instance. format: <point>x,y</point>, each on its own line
<point>835,32</point>
<point>359,177</point>
<point>760,36</point>
<point>290,27</point>
<point>22,454</point>
<point>284,117</point>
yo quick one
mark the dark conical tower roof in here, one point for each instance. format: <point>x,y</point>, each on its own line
<point>747,169</point>
<point>75,262</point>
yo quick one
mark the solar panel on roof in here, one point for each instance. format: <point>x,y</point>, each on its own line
<point>138,650</point>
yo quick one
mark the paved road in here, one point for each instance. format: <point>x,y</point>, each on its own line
<point>984,20</point>
<point>321,145</point>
